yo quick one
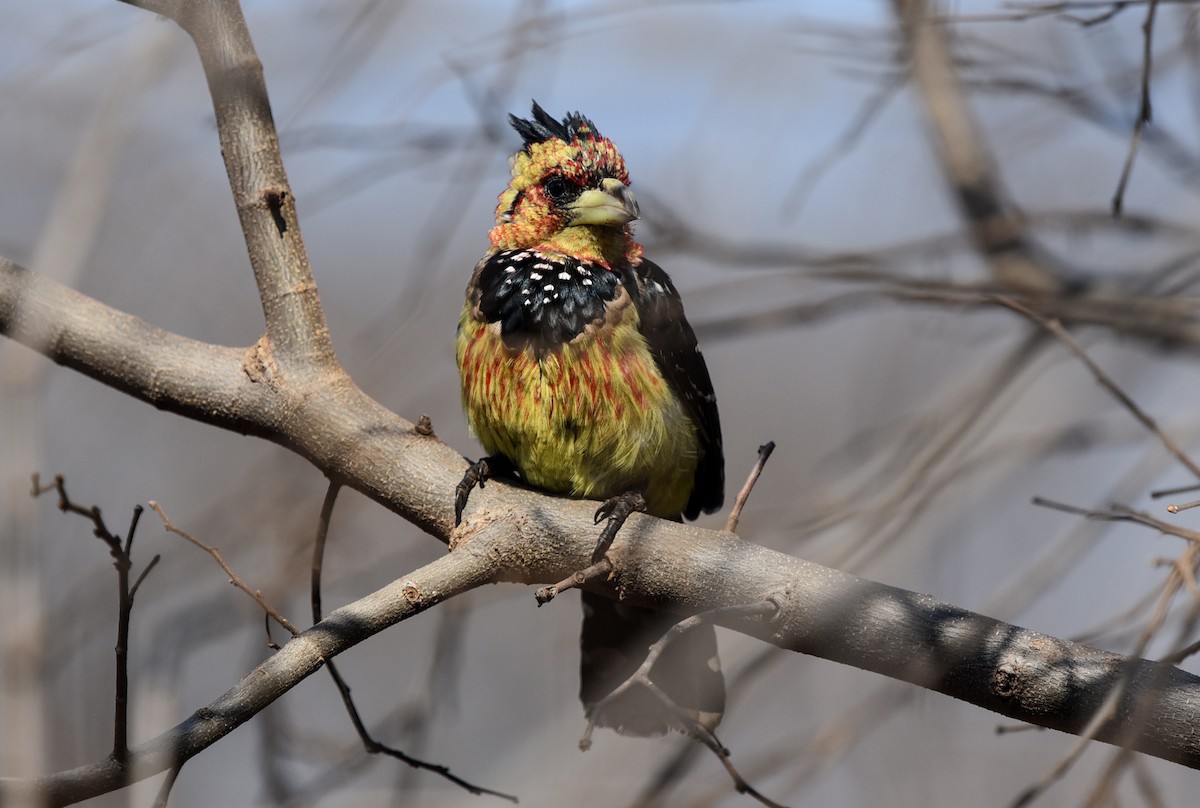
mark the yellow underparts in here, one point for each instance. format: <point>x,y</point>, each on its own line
<point>592,419</point>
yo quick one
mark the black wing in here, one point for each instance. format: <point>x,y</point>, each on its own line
<point>673,344</point>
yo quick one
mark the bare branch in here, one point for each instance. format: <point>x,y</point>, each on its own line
<point>1121,514</point>
<point>1062,335</point>
<point>325,418</point>
<point>735,513</point>
<point>597,571</point>
<point>1144,110</point>
<point>318,561</point>
<point>994,228</point>
<point>122,555</point>
<point>254,594</point>
<point>209,383</point>
<point>370,744</point>
<point>266,205</point>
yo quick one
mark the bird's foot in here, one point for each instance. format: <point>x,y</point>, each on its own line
<point>616,510</point>
<point>478,473</point>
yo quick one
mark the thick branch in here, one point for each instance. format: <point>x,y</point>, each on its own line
<point>206,382</point>
<point>296,329</point>
<point>320,414</point>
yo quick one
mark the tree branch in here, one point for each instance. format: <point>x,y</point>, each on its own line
<point>296,328</point>
<point>242,390</point>
<point>205,382</point>
<point>995,229</point>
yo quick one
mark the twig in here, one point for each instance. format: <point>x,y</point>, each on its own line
<point>672,770</point>
<point>1144,109</point>
<point>1056,328</point>
<point>256,595</point>
<point>122,554</point>
<point>601,569</point>
<point>1184,507</point>
<point>1181,489</point>
<point>164,790</point>
<point>369,743</point>
<point>1122,514</point>
<point>123,561</point>
<point>764,454</point>
<point>318,561</point>
<point>374,747</point>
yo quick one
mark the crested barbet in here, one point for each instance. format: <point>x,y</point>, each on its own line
<point>581,376</point>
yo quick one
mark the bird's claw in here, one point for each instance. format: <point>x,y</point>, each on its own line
<point>616,510</point>
<point>476,475</point>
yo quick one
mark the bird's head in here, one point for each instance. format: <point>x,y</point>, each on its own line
<point>569,192</point>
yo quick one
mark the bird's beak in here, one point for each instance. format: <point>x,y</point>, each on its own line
<point>610,205</point>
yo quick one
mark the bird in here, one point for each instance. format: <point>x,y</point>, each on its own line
<point>582,377</point>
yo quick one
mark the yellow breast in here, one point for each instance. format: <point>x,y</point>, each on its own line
<point>592,419</point>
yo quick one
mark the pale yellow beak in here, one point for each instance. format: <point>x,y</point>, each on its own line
<point>610,205</point>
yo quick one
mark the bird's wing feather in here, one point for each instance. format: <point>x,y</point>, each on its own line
<point>673,345</point>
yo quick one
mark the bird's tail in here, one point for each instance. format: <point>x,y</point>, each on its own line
<point>614,642</point>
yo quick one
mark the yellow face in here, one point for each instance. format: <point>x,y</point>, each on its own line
<point>568,196</point>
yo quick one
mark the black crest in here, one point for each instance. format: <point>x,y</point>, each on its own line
<point>543,127</point>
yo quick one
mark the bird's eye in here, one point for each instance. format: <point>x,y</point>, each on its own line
<point>557,188</point>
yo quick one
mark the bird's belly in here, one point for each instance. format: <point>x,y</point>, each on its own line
<point>592,419</point>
